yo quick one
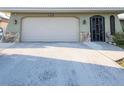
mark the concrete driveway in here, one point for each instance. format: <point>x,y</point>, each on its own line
<point>61,64</point>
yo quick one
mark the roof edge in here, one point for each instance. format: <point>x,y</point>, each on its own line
<point>21,9</point>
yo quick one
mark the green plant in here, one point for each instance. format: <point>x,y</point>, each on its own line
<point>118,38</point>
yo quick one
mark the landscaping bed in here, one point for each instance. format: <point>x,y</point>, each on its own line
<point>121,62</point>
<point>118,38</point>
<point>122,46</point>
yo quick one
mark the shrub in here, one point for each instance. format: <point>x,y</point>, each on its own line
<point>118,38</point>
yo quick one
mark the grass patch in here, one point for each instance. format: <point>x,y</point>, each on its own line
<point>121,62</point>
<point>122,46</point>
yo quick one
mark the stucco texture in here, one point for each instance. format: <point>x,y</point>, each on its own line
<point>122,23</point>
<point>84,28</point>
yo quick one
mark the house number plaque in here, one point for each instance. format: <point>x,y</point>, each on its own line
<point>51,14</point>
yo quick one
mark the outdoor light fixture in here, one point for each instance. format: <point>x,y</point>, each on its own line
<point>15,21</point>
<point>84,21</point>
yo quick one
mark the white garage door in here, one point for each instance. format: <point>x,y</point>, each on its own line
<point>64,29</point>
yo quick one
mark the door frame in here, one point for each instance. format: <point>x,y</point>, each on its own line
<point>101,34</point>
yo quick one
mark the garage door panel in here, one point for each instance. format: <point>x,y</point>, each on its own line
<point>50,29</point>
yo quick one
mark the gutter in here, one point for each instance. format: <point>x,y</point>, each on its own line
<point>62,9</point>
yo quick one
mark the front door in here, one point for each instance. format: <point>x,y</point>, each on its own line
<point>97,28</point>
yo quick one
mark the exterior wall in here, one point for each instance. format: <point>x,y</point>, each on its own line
<point>14,30</point>
<point>122,23</point>
<point>118,26</point>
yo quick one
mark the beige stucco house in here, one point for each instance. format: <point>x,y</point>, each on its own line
<point>63,24</point>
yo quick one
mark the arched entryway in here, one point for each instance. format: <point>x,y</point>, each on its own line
<point>97,28</point>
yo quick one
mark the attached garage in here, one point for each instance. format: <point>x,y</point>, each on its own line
<point>50,29</point>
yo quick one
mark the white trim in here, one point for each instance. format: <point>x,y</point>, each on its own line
<point>63,9</point>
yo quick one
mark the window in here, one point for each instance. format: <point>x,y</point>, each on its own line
<point>112,25</point>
